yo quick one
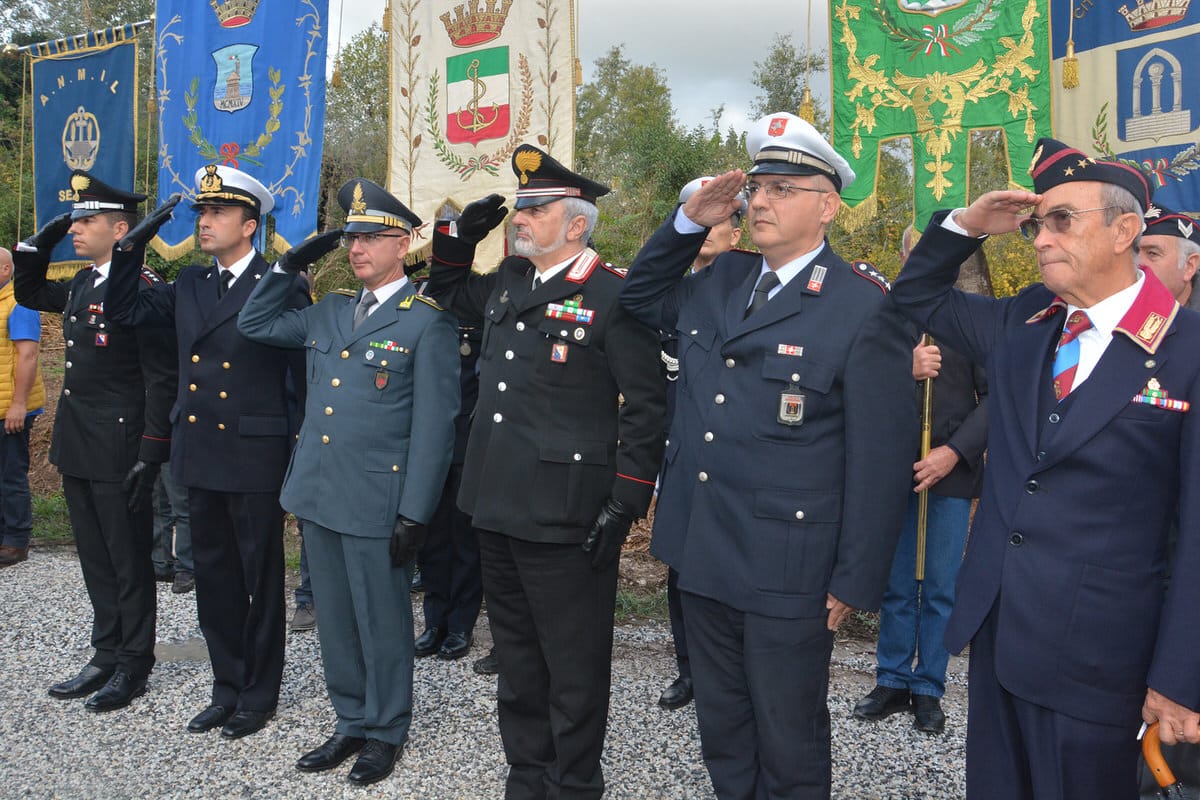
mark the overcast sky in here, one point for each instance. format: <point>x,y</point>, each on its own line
<point>706,50</point>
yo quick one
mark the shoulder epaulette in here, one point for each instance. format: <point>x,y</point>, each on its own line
<point>342,292</point>
<point>150,276</point>
<point>583,266</point>
<point>429,301</point>
<point>620,272</point>
<point>868,271</point>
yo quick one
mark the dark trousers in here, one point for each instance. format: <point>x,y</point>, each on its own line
<point>678,632</point>
<point>237,543</point>
<point>114,554</point>
<point>761,685</point>
<point>449,564</point>
<point>364,621</point>
<point>16,507</point>
<point>1020,751</point>
<point>551,616</point>
<point>172,524</point>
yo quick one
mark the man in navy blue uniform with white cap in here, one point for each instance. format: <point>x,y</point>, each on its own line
<point>1094,379</point>
<point>557,468</point>
<point>788,467</point>
<point>233,434</point>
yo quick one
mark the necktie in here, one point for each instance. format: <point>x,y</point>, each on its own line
<point>223,284</point>
<point>762,292</point>
<point>1066,358</point>
<point>537,281</point>
<point>364,305</point>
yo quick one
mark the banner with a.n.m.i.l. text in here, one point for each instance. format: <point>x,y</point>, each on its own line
<point>471,80</point>
<point>241,83</point>
<point>1133,91</point>
<point>931,71</point>
<point>83,89</point>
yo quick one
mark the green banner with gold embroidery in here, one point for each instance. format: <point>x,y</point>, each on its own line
<point>932,71</point>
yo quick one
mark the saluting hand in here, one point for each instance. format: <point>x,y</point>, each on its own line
<point>145,230</point>
<point>50,235</point>
<point>480,217</point>
<point>717,200</point>
<point>308,251</point>
<point>997,212</point>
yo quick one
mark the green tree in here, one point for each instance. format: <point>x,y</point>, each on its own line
<point>782,76</point>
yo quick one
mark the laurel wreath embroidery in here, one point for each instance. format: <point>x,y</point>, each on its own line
<point>249,152</point>
<point>489,163</point>
<point>1178,166</point>
<point>938,38</point>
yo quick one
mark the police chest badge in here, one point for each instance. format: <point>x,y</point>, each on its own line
<point>791,406</point>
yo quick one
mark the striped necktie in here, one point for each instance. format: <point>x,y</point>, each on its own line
<point>1066,358</point>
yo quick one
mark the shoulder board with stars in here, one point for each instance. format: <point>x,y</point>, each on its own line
<point>150,276</point>
<point>864,270</point>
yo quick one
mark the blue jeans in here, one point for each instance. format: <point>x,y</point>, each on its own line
<point>172,524</point>
<point>16,509</point>
<point>912,623</point>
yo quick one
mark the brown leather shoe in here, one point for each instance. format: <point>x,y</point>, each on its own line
<point>13,555</point>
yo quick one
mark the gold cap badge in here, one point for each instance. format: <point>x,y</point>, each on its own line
<point>527,161</point>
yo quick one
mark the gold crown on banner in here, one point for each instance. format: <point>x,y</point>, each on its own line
<point>476,22</point>
<point>1149,14</point>
<point>234,13</point>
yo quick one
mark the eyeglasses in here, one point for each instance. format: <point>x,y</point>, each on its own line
<point>349,239</point>
<point>1058,221</point>
<point>779,191</point>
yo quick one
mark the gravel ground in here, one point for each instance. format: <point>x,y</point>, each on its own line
<point>53,748</point>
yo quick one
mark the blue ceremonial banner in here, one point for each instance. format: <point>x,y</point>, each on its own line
<point>241,83</point>
<point>1138,93</point>
<point>84,90</point>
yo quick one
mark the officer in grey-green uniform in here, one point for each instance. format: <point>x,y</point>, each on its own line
<point>369,467</point>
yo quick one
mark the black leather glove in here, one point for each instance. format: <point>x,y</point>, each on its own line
<point>299,257</point>
<point>608,533</point>
<point>139,484</point>
<point>144,231</point>
<point>51,234</point>
<point>407,539</point>
<point>480,217</point>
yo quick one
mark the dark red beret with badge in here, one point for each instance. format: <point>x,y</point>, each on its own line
<point>1055,163</point>
<point>1165,222</point>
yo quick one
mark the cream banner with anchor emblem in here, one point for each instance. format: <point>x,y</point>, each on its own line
<point>470,82</point>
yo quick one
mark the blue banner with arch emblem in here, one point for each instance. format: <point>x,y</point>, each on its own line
<point>241,83</point>
<point>83,89</point>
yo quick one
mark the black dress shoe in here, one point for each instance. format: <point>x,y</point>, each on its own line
<point>374,763</point>
<point>117,693</point>
<point>244,723</point>
<point>428,642</point>
<point>488,665</point>
<point>677,695</point>
<point>337,748</point>
<point>927,710</point>
<point>883,701</point>
<point>90,679</point>
<point>212,717</point>
<point>455,645</point>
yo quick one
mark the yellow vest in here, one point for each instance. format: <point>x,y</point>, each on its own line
<point>8,359</point>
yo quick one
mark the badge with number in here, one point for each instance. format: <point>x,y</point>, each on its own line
<point>791,406</point>
<point>381,379</point>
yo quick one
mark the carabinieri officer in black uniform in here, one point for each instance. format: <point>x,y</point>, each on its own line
<point>556,469</point>
<point>111,433</point>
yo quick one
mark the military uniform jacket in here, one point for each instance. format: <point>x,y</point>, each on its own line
<point>1068,544</point>
<point>789,459</point>
<point>550,442</point>
<point>234,412</point>
<point>470,337</point>
<point>118,383</point>
<point>378,428</point>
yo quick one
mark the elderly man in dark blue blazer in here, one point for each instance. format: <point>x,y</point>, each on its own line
<point>789,459</point>
<point>1094,377</point>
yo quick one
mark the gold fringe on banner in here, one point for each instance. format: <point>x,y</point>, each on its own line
<point>1070,76</point>
<point>854,217</point>
<point>806,111</point>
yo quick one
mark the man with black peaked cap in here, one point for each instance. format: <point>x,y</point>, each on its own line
<point>231,443</point>
<point>369,466</point>
<point>556,469</point>
<point>1094,378</point>
<point>111,433</point>
<point>789,461</point>
<point>1170,246</point>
